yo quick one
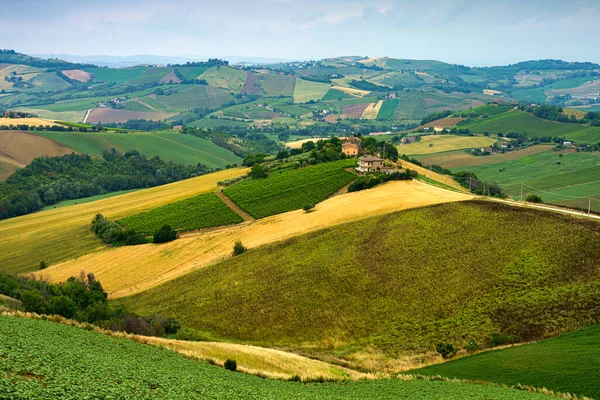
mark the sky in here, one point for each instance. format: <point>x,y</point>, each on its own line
<point>469,32</point>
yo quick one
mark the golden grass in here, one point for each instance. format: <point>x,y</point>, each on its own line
<point>439,143</point>
<point>127,270</point>
<point>372,110</point>
<point>296,144</point>
<point>445,179</point>
<point>351,91</point>
<point>579,114</point>
<point>27,121</point>
<point>253,360</point>
<point>63,233</point>
<point>70,116</point>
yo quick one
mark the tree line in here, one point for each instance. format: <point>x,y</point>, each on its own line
<point>48,180</point>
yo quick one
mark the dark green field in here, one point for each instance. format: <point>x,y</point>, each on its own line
<point>291,190</point>
<point>399,283</point>
<point>569,363</point>
<point>49,360</point>
<point>202,211</point>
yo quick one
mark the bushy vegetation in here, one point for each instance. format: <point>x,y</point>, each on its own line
<point>49,360</point>
<point>48,180</point>
<point>203,211</point>
<point>290,190</point>
<point>401,282</point>
<point>83,300</point>
<point>373,179</point>
<point>566,364</point>
<point>112,233</point>
<point>164,234</point>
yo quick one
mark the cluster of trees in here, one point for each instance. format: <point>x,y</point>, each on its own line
<point>366,85</point>
<point>54,128</point>
<point>12,57</point>
<point>112,233</point>
<point>371,180</point>
<point>83,300</point>
<point>434,116</point>
<point>48,180</point>
<point>139,125</point>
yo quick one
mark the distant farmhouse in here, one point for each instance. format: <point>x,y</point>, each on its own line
<point>351,146</point>
<point>369,164</point>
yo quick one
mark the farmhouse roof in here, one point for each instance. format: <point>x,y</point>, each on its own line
<point>370,158</point>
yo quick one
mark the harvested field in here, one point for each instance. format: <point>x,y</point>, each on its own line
<point>128,270</point>
<point>296,144</point>
<point>354,111</point>
<point>331,118</point>
<point>439,143</point>
<point>19,148</point>
<point>426,173</point>
<point>351,91</point>
<point>372,110</point>
<point>458,159</point>
<point>444,122</point>
<point>43,234</point>
<point>77,75</point>
<point>107,115</point>
<point>27,121</point>
<point>579,114</point>
<point>589,89</point>
<point>170,77</point>
<point>251,85</point>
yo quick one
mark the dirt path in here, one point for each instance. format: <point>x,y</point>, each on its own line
<point>247,217</point>
<point>144,104</point>
<point>87,114</point>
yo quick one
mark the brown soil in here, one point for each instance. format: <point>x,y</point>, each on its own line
<point>251,85</point>
<point>20,148</point>
<point>170,77</point>
<point>354,111</point>
<point>77,75</point>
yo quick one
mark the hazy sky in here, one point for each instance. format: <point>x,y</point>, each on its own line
<point>471,32</point>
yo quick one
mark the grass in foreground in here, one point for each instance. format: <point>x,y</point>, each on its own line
<point>204,211</point>
<point>569,363</point>
<point>399,283</point>
<point>51,361</point>
<point>291,190</point>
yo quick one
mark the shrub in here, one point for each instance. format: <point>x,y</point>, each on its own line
<point>43,264</point>
<point>472,347</point>
<point>500,339</point>
<point>533,198</point>
<point>164,235</point>
<point>308,207</point>
<point>446,350</point>
<point>230,364</point>
<point>238,248</point>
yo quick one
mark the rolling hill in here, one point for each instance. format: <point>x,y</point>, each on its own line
<point>417,280</point>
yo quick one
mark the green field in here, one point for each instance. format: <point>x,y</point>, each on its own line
<point>522,122</point>
<point>292,189</point>
<point>411,106</point>
<point>334,95</point>
<point>196,96</point>
<point>388,109</point>
<point>305,91</point>
<point>117,75</point>
<point>150,75</point>
<point>47,360</point>
<point>577,175</point>
<point>186,149</point>
<point>225,77</point>
<point>49,81</point>
<point>295,110</point>
<point>538,95</point>
<point>198,212</point>
<point>569,363</point>
<point>135,106</point>
<point>88,199</point>
<point>211,123</point>
<point>399,283</point>
<point>276,85</point>
<point>191,72</point>
<point>487,109</point>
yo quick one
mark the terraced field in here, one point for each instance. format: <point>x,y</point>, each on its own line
<point>83,363</point>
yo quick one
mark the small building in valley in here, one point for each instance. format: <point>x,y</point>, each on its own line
<point>369,164</point>
<point>351,146</point>
<point>177,127</point>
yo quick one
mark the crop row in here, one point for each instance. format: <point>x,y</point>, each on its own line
<point>198,212</point>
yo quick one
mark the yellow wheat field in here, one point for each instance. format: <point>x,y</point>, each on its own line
<point>372,110</point>
<point>428,174</point>
<point>27,121</point>
<point>351,91</point>
<point>128,270</point>
<point>63,233</point>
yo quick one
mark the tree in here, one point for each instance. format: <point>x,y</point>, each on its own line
<point>164,234</point>
<point>258,171</point>
<point>533,198</point>
<point>308,207</point>
<point>43,264</point>
<point>239,248</point>
<point>230,364</point>
<point>446,350</point>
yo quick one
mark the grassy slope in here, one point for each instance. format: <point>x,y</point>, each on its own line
<point>276,85</point>
<point>197,212</point>
<point>308,90</point>
<point>196,96</point>
<point>42,235</point>
<point>225,77</point>
<point>569,363</point>
<point>38,366</point>
<point>291,190</point>
<point>117,75</point>
<point>168,146</point>
<point>522,122</point>
<point>439,143</point>
<point>399,282</point>
<point>387,109</point>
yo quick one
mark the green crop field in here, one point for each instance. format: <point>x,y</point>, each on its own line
<point>150,75</point>
<point>191,72</point>
<point>225,77</point>
<point>49,360</point>
<point>488,109</point>
<point>276,85</point>
<point>174,147</point>
<point>212,123</point>
<point>569,363</point>
<point>49,81</point>
<point>411,106</point>
<point>538,95</point>
<point>90,199</point>
<point>522,122</point>
<point>334,94</point>
<point>198,212</point>
<point>291,190</point>
<point>305,91</point>
<point>388,108</point>
<point>399,283</point>
<point>577,175</point>
<point>295,110</point>
<point>135,106</point>
<point>117,75</point>
<point>196,96</point>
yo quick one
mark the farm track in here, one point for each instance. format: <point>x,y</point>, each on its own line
<point>247,217</point>
<point>144,104</point>
<point>87,114</point>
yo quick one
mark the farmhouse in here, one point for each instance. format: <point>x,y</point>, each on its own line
<point>408,139</point>
<point>351,146</point>
<point>177,127</point>
<point>369,164</point>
